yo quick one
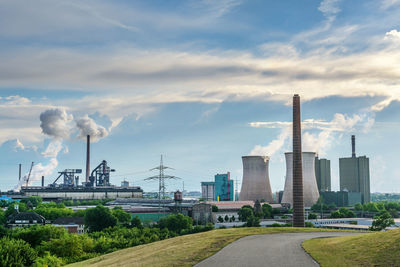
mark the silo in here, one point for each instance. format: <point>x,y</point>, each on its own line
<point>255,184</point>
<point>310,188</point>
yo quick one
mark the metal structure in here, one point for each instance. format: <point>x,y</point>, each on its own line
<point>69,178</point>
<point>161,177</point>
<point>310,190</point>
<point>29,175</point>
<point>255,184</point>
<point>298,201</point>
<point>100,176</point>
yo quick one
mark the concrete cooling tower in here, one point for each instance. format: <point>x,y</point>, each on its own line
<point>255,184</point>
<point>310,188</point>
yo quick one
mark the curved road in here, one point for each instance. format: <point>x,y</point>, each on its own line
<point>267,250</point>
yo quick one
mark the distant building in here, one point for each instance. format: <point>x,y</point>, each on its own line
<point>323,174</point>
<point>207,191</point>
<point>202,213</point>
<point>221,189</point>
<point>341,198</point>
<point>24,219</point>
<point>278,196</point>
<point>224,188</point>
<point>354,174</point>
<point>74,225</point>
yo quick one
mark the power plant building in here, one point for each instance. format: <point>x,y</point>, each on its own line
<point>208,191</point>
<point>354,174</point>
<point>323,174</point>
<point>222,189</point>
<point>310,189</point>
<point>255,184</point>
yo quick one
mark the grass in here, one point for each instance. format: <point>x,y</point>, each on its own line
<point>375,249</point>
<point>183,250</point>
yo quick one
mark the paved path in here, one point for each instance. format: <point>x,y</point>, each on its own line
<point>267,250</point>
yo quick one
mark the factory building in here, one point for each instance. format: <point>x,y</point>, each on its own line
<point>207,191</point>
<point>323,174</point>
<point>222,189</point>
<point>354,174</point>
<point>310,188</point>
<point>341,198</point>
<point>255,184</point>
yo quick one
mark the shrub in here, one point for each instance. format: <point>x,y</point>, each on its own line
<point>15,252</point>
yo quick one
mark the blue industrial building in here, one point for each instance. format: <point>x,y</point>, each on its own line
<point>222,189</point>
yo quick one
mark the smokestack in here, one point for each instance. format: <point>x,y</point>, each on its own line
<point>298,200</point>
<point>19,176</point>
<point>87,158</point>
<point>353,146</point>
<point>42,181</point>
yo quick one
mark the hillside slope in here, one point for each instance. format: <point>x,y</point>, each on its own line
<point>183,250</point>
<point>375,249</point>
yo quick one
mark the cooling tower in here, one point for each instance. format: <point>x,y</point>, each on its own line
<point>310,189</point>
<point>255,184</point>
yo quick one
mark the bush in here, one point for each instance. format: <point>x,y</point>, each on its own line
<point>176,223</point>
<point>48,260</point>
<point>214,208</point>
<point>36,234</point>
<point>16,252</point>
<point>220,219</point>
<point>309,224</point>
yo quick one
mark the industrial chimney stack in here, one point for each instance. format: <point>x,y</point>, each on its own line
<point>87,159</point>
<point>353,146</point>
<point>298,201</point>
<point>42,181</point>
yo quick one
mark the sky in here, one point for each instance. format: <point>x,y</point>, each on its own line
<point>201,82</point>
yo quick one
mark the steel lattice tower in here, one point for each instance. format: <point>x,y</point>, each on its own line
<point>161,180</point>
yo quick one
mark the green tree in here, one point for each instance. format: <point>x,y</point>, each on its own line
<point>123,218</point>
<point>312,216</point>
<point>36,234</point>
<point>267,211</point>
<point>11,208</point>
<point>214,208</point>
<point>358,207</point>
<point>99,218</point>
<point>136,222</point>
<point>245,212</point>
<point>15,252</point>
<point>176,223</point>
<point>220,219</point>
<point>34,200</point>
<point>253,221</point>
<point>382,221</point>
<point>226,218</point>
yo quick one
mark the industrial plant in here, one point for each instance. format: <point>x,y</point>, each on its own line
<point>95,186</point>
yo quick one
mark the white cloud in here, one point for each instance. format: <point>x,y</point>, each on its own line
<point>329,8</point>
<point>318,135</point>
<point>87,126</point>
<point>56,123</point>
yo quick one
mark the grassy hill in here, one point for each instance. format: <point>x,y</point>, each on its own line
<point>375,249</point>
<point>183,250</point>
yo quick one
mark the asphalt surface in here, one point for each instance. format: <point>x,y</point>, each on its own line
<point>267,250</point>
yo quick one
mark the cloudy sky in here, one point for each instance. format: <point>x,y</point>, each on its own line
<point>202,82</point>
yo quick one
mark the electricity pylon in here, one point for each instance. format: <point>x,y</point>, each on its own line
<point>161,181</point>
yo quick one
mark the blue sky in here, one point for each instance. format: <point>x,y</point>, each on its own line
<point>202,82</point>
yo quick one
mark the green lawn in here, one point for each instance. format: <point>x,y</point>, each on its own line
<point>374,249</point>
<point>183,250</point>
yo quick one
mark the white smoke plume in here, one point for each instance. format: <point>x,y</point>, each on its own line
<point>56,123</point>
<point>87,126</point>
<point>313,141</point>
